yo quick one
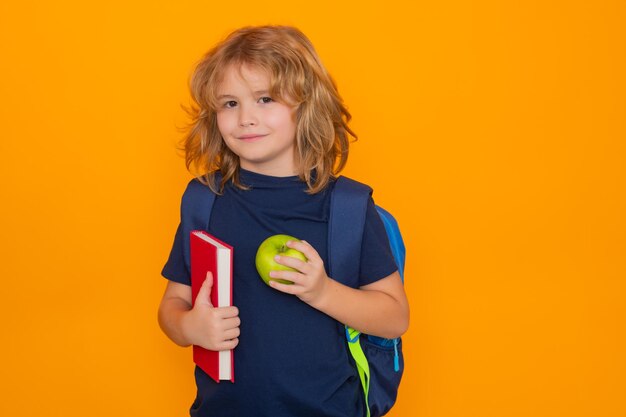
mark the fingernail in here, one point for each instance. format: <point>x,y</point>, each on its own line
<point>277,258</point>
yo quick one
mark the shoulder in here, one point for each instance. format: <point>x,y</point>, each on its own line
<point>347,183</point>
<point>197,188</point>
<point>196,200</point>
<point>351,201</point>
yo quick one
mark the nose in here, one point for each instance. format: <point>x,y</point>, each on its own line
<point>247,117</point>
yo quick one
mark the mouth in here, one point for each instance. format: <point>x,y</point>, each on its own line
<point>252,137</point>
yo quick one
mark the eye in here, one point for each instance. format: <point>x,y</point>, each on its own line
<point>265,100</point>
<point>230,104</point>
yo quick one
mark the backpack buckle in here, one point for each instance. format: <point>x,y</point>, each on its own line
<point>352,335</point>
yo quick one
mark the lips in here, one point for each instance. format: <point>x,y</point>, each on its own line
<point>251,137</point>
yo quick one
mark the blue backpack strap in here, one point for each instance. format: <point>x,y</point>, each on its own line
<point>379,361</point>
<point>395,238</point>
<point>348,207</point>
<point>195,212</point>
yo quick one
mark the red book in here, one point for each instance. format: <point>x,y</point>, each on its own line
<point>210,254</point>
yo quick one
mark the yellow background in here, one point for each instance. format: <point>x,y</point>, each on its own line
<point>494,131</point>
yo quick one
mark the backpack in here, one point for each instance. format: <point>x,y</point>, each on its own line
<point>379,361</point>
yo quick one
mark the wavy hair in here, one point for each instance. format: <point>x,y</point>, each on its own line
<point>296,76</point>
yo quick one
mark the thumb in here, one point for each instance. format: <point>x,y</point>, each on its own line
<point>204,295</point>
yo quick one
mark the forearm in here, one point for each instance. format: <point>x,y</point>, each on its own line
<point>379,309</point>
<point>366,310</point>
<point>172,312</point>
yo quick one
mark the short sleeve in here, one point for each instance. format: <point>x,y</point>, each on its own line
<point>197,197</point>
<point>377,260</point>
<point>175,268</point>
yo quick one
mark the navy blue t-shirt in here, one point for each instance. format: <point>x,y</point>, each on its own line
<point>292,360</point>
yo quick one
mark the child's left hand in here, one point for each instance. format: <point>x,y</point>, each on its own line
<point>309,279</point>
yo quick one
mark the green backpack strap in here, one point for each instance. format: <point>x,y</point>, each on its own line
<point>362,366</point>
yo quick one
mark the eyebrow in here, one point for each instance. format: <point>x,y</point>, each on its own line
<point>256,93</point>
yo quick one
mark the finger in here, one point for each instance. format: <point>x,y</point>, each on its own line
<point>204,295</point>
<point>230,324</point>
<point>294,277</point>
<point>232,334</point>
<point>290,262</point>
<point>304,247</point>
<point>286,288</point>
<point>227,312</point>
<point>231,344</point>
<point>227,344</point>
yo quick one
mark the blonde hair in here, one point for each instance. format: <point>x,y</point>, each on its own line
<point>296,75</point>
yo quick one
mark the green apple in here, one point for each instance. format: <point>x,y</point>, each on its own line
<point>268,249</point>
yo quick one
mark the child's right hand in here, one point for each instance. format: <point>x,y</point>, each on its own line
<point>213,328</point>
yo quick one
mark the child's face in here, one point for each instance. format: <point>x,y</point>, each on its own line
<point>258,129</point>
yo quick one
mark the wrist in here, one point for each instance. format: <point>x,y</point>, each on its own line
<point>186,328</point>
<point>321,300</point>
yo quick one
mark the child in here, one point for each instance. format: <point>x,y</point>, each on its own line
<point>269,119</point>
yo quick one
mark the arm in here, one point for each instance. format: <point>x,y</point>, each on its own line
<point>203,325</point>
<point>380,308</point>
